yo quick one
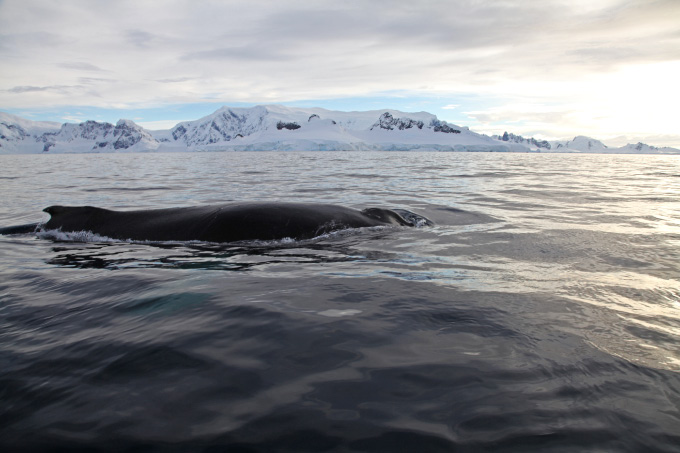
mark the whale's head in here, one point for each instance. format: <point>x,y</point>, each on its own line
<point>397,217</point>
<point>386,216</point>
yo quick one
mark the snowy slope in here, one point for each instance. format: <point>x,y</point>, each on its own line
<point>33,127</point>
<point>580,144</point>
<point>641,148</point>
<point>19,135</point>
<point>275,127</point>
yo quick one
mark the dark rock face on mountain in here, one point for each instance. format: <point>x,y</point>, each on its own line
<point>290,126</point>
<point>179,132</point>
<point>127,134</point>
<point>389,122</point>
<point>441,126</point>
<point>12,133</point>
<point>89,130</point>
<point>544,144</point>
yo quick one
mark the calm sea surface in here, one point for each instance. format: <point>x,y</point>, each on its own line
<point>541,313</point>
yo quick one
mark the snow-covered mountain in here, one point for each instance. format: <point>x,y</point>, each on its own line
<point>642,148</point>
<point>21,135</point>
<point>580,144</point>
<point>94,136</point>
<point>583,144</point>
<point>275,127</point>
<point>18,135</point>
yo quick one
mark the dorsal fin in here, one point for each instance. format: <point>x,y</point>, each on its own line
<point>60,210</point>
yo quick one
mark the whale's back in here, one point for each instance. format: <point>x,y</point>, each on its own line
<point>220,223</point>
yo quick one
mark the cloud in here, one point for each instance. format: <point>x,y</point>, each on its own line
<point>140,38</point>
<point>14,43</point>
<point>80,66</point>
<point>519,114</point>
<point>160,125</point>
<point>248,53</point>
<point>29,89</point>
<point>93,80</point>
<point>73,119</point>
<point>555,52</point>
<point>175,80</point>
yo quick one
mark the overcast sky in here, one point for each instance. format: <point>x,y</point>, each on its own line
<point>609,69</point>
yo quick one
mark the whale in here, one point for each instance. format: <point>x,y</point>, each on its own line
<point>219,223</point>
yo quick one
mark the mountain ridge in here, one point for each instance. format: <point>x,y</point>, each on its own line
<point>277,127</point>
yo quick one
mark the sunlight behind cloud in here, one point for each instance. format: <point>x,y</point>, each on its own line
<point>638,98</point>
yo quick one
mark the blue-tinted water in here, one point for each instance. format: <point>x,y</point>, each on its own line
<point>541,313</point>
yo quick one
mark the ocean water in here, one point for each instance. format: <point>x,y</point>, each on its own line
<point>540,313</point>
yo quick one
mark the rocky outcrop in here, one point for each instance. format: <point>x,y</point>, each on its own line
<point>290,126</point>
<point>127,134</point>
<point>532,142</point>
<point>389,122</point>
<point>12,132</point>
<point>442,126</point>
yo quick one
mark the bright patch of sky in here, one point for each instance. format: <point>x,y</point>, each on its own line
<point>549,69</point>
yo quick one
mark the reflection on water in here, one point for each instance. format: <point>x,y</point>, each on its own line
<point>199,256</point>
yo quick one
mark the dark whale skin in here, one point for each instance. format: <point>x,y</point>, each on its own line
<point>219,223</point>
